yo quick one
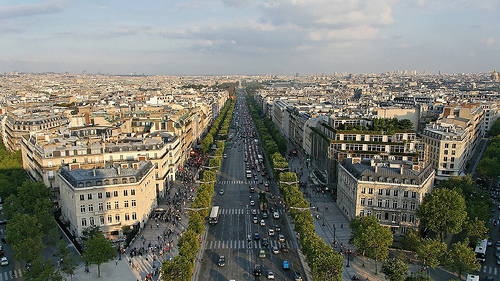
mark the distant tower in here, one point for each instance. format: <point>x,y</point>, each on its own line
<point>495,77</point>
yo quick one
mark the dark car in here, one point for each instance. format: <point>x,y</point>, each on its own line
<point>277,228</point>
<point>265,242</point>
<point>497,244</point>
<point>257,271</point>
<point>256,236</point>
<point>489,278</point>
<point>284,248</point>
<point>297,276</point>
<point>222,261</point>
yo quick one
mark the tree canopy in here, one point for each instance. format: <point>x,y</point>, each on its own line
<point>98,251</point>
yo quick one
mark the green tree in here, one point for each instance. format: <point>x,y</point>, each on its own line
<point>495,129</point>
<point>489,167</point>
<point>462,258</point>
<point>443,211</point>
<point>475,230</point>
<point>411,240</point>
<point>395,269</point>
<point>69,261</point>
<point>371,238</point>
<point>24,234</point>
<point>327,266</point>
<point>431,252</point>
<point>98,251</point>
<point>42,270</point>
<point>420,276</point>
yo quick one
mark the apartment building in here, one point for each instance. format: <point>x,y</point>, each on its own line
<point>390,190</point>
<point>93,147</point>
<point>110,198</point>
<point>491,114</point>
<point>19,124</point>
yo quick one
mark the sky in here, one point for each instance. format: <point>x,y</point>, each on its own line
<point>254,37</point>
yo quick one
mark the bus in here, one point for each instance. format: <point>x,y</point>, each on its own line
<point>481,250</point>
<point>214,215</point>
<point>249,174</point>
<point>261,159</point>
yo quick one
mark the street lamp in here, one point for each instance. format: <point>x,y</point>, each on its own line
<point>348,252</point>
<point>324,219</point>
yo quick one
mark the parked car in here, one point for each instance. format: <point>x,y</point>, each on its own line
<point>4,261</point>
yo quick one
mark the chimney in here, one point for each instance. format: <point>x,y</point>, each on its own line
<point>93,170</point>
<point>119,170</point>
<point>402,169</point>
<point>376,169</point>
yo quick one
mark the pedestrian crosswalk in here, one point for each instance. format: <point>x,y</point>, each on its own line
<point>239,211</point>
<point>242,244</point>
<point>489,270</point>
<point>9,275</point>
<point>237,182</point>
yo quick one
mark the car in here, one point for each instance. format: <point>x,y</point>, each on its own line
<point>255,220</point>
<point>497,244</point>
<point>284,248</point>
<point>490,242</point>
<point>262,223</point>
<point>489,278</point>
<point>281,238</point>
<point>498,261</point>
<point>252,189</point>
<point>257,271</point>
<point>256,236</point>
<point>270,232</point>
<point>221,192</point>
<point>276,215</point>
<point>270,275</point>
<point>254,212</point>
<point>264,215</point>
<point>252,203</point>
<point>275,250</point>
<point>266,184</point>
<point>4,261</point>
<point>262,254</point>
<point>277,228</point>
<point>286,265</point>
<point>297,276</point>
<point>225,155</point>
<point>497,252</point>
<point>3,221</point>
<point>265,241</point>
<point>222,261</point>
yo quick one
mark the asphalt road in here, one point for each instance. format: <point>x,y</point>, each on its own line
<point>229,236</point>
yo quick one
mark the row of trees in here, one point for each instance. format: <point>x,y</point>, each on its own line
<point>214,133</point>
<point>182,266</point>
<point>271,138</point>
<point>325,263</point>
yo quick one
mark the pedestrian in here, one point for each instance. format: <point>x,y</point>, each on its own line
<point>341,225</point>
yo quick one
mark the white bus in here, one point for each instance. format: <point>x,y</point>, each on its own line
<point>249,174</point>
<point>261,159</point>
<point>214,215</point>
<point>481,250</point>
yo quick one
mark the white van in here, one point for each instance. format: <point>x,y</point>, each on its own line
<point>472,277</point>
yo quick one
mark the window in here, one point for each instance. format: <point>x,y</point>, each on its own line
<point>89,196</point>
<point>101,207</point>
<point>369,213</point>
<point>117,206</point>
<point>101,220</point>
<point>108,205</point>
<point>444,165</point>
<point>445,159</point>
<point>99,195</point>
<point>127,217</point>
<point>379,216</point>
<point>125,192</point>
<point>403,230</point>
<point>379,203</point>
<point>446,152</point>
<point>394,217</point>
<point>362,213</point>
<point>370,190</point>
<point>110,219</point>
<point>452,159</point>
<point>91,221</point>
<point>363,190</point>
<point>134,216</point>
<point>370,201</point>
<point>117,218</point>
<point>133,202</point>
<point>405,193</point>
<point>413,194</point>
<point>363,201</point>
<point>132,192</point>
<point>446,145</point>
<point>387,202</point>
<point>387,192</point>
<point>108,194</point>
<point>403,217</point>
<point>452,166</point>
<point>82,208</point>
<point>386,216</point>
<point>91,208</point>
<point>405,204</point>
<point>395,192</point>
<point>453,145</point>
<point>394,204</point>
<point>84,222</point>
<point>115,193</point>
<point>412,218</point>
<point>125,204</point>
<point>412,205</point>
<point>380,192</point>
<point>82,197</point>
<point>453,152</point>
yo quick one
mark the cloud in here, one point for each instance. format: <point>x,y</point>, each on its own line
<point>237,3</point>
<point>489,42</point>
<point>27,10</point>
<point>449,5</point>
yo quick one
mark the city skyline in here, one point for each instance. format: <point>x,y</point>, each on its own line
<point>249,37</point>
